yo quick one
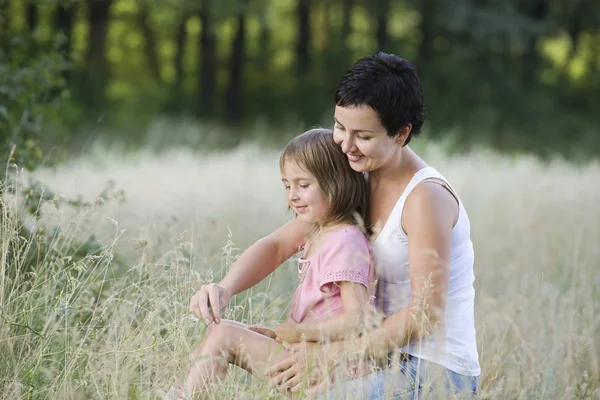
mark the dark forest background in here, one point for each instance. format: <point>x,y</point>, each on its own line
<point>515,75</point>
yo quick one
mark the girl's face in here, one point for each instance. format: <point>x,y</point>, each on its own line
<point>363,139</point>
<point>303,193</point>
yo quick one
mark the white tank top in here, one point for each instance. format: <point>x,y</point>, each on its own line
<point>454,345</point>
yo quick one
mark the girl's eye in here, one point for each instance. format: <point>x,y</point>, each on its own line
<point>304,186</point>
<point>341,128</point>
<point>287,188</point>
<point>363,137</point>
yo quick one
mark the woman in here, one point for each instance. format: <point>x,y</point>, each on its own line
<point>421,243</point>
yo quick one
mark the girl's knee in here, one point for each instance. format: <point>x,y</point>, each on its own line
<point>210,342</point>
<point>221,338</point>
<point>221,331</point>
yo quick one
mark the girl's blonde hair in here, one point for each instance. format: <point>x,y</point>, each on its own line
<point>346,190</point>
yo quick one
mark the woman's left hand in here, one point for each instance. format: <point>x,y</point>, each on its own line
<point>288,374</point>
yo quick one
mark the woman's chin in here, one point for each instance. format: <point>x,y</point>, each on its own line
<point>358,168</point>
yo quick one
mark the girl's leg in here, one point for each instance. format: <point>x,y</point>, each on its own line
<point>226,343</point>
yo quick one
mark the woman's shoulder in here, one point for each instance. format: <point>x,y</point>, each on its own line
<point>430,200</point>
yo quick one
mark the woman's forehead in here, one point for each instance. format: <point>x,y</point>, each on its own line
<point>357,118</point>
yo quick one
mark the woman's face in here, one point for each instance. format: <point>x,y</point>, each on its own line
<point>363,139</point>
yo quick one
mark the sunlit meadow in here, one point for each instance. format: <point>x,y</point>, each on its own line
<point>115,325</point>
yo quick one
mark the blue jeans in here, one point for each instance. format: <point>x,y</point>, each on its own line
<point>409,378</point>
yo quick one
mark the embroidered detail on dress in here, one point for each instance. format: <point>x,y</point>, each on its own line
<point>303,266</point>
<point>348,275</point>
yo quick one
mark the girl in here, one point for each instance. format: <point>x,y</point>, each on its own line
<point>335,273</point>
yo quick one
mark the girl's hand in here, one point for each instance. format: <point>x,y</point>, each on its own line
<point>288,332</point>
<point>209,301</point>
<point>263,330</point>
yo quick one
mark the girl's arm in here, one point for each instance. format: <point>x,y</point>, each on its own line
<point>253,265</point>
<point>352,320</point>
<point>264,256</point>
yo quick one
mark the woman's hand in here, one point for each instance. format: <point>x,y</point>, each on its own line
<point>289,332</point>
<point>307,359</point>
<point>287,375</point>
<point>209,301</point>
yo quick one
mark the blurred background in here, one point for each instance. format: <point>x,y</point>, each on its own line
<point>513,75</point>
<point>134,135</point>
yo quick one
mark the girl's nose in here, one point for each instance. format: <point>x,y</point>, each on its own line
<point>292,195</point>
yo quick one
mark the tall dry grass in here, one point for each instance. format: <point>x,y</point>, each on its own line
<point>115,324</point>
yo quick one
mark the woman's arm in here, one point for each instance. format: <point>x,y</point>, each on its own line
<point>430,213</point>
<point>253,265</point>
<point>356,306</point>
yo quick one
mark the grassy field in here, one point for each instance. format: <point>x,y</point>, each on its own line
<point>114,324</point>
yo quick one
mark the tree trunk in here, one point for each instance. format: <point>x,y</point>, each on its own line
<point>346,21</point>
<point>180,40</point>
<point>337,56</point>
<point>208,64</point>
<point>304,37</point>
<point>64,21</point>
<point>32,15</point>
<point>264,40</point>
<point>428,14</point>
<point>344,54</point>
<point>150,45</point>
<point>32,21</point>
<point>97,74</point>
<point>235,90</point>
<point>537,11</point>
<point>4,18</point>
<point>381,20</point>
<point>177,102</point>
<point>4,11</point>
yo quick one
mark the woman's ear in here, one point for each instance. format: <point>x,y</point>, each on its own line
<point>403,134</point>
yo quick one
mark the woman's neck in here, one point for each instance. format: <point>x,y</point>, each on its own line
<point>397,170</point>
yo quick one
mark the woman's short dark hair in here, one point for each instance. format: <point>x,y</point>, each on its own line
<point>389,85</point>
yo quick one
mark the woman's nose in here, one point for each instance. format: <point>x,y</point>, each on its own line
<point>347,145</point>
<point>341,139</point>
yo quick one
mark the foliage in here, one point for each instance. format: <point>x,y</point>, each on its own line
<point>32,88</point>
<point>514,75</point>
